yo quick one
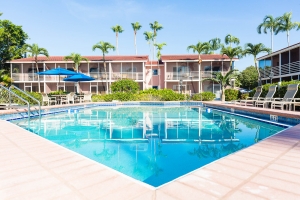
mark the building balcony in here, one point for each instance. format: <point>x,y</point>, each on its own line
<point>193,75</point>
<point>283,70</point>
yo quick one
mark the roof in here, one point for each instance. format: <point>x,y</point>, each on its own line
<point>195,57</point>
<point>90,58</point>
<point>280,51</point>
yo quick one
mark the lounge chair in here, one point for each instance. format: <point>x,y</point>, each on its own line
<point>250,100</point>
<point>69,98</point>
<point>48,100</point>
<point>288,98</point>
<point>264,102</point>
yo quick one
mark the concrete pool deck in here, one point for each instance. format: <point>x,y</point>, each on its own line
<point>32,167</point>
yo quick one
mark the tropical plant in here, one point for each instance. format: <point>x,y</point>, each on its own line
<point>215,44</point>
<point>231,94</point>
<point>149,37</point>
<point>232,53</point>
<point>229,39</point>
<point>155,26</point>
<point>76,58</point>
<point>12,40</point>
<point>200,47</point>
<point>125,85</point>
<point>249,77</point>
<point>117,29</point>
<point>135,26</point>
<point>104,47</point>
<point>159,48</point>
<point>204,96</point>
<point>255,49</point>
<point>5,78</point>
<point>286,24</point>
<point>35,50</point>
<point>271,23</point>
<point>224,81</point>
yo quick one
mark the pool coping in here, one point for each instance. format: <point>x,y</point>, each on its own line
<point>268,169</point>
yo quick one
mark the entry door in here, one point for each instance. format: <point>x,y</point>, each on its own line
<point>217,90</point>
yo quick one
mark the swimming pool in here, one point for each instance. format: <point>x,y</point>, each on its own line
<point>151,144</point>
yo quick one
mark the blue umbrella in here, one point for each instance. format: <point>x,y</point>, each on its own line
<point>78,77</point>
<point>57,71</point>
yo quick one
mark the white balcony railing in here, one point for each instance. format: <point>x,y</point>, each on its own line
<point>286,69</point>
<point>193,75</point>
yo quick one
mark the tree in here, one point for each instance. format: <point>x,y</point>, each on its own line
<point>159,48</point>
<point>232,53</point>
<point>155,26</point>
<point>117,29</point>
<point>248,77</point>
<point>125,85</point>
<point>215,44</point>
<point>286,24</point>
<point>35,50</point>
<point>12,40</point>
<point>104,47</point>
<point>199,48</point>
<point>5,78</point>
<point>76,58</point>
<point>224,81</point>
<point>231,39</point>
<point>255,49</point>
<point>269,23</point>
<point>135,26</point>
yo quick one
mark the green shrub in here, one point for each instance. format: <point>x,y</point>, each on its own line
<point>244,96</point>
<point>35,95</point>
<point>58,92</point>
<point>125,85</point>
<point>97,98</point>
<point>204,96</point>
<point>231,94</point>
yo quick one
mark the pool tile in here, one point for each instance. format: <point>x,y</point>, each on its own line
<point>237,195</point>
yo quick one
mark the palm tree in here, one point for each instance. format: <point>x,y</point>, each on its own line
<point>215,44</point>
<point>155,26</point>
<point>286,24</point>
<point>231,39</point>
<point>149,37</point>
<point>199,48</point>
<point>136,26</point>
<point>35,50</point>
<point>232,53</point>
<point>76,58</point>
<point>269,23</point>
<point>255,49</point>
<point>224,81</point>
<point>104,47</point>
<point>117,29</point>
<point>159,48</point>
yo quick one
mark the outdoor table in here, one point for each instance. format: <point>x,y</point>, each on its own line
<point>58,97</point>
<point>80,97</point>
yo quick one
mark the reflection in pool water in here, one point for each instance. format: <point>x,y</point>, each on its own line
<point>151,144</point>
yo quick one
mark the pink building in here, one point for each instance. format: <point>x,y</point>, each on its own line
<point>178,72</point>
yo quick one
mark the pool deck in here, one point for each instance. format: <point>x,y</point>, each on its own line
<point>32,167</point>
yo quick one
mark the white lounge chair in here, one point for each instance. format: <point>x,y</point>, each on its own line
<point>48,100</point>
<point>266,100</point>
<point>250,100</point>
<point>287,100</point>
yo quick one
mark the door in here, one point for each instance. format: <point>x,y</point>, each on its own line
<point>217,90</point>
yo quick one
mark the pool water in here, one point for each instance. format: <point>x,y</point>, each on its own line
<point>152,144</point>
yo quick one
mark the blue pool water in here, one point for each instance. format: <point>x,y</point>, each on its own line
<point>152,144</point>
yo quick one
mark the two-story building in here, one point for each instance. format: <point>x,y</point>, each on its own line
<point>281,65</point>
<point>182,73</point>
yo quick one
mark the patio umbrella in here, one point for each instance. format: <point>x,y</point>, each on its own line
<point>78,77</point>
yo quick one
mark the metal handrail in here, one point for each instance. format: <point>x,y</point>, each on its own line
<point>22,91</point>
<point>14,94</point>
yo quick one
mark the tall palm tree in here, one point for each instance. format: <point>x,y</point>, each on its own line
<point>224,81</point>
<point>135,26</point>
<point>35,50</point>
<point>286,24</point>
<point>200,47</point>
<point>232,53</point>
<point>76,58</point>
<point>159,47</point>
<point>215,44</point>
<point>117,29</point>
<point>271,23</point>
<point>149,36</point>
<point>155,26</point>
<point>255,49</point>
<point>229,39</point>
<point>104,47</point>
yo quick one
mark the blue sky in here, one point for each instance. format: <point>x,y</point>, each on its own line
<point>66,26</point>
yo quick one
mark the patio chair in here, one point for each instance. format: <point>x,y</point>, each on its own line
<point>87,97</point>
<point>288,98</point>
<point>48,100</point>
<point>264,102</point>
<point>251,100</point>
<point>69,98</point>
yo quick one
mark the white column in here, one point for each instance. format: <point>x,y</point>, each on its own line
<point>279,67</point>
<point>144,75</point>
<point>165,78</point>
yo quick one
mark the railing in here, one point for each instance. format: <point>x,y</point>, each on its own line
<point>193,75</point>
<point>29,96</point>
<point>286,69</point>
<point>10,100</point>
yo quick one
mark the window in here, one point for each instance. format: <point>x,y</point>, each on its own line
<point>155,87</point>
<point>155,71</point>
<point>71,69</point>
<point>33,70</point>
